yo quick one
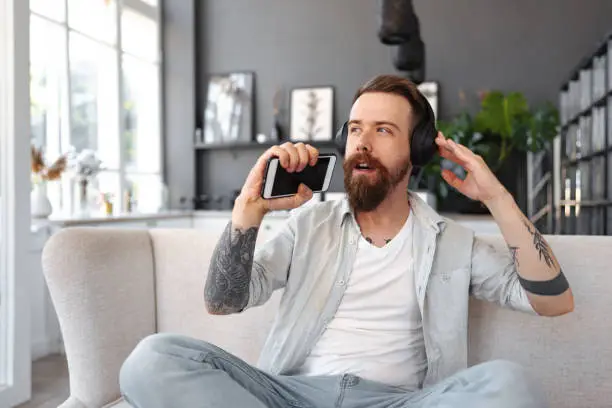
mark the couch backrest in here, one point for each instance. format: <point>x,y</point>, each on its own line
<point>182,259</point>
<point>571,356</point>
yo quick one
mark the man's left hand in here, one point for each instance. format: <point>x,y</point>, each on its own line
<point>480,183</point>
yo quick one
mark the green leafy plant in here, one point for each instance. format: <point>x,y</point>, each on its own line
<point>504,125</point>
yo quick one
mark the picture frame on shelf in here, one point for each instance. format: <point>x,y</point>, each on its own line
<point>229,106</point>
<point>430,92</point>
<point>312,114</point>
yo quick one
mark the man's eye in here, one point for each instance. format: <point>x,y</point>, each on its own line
<point>383,129</point>
<point>353,129</point>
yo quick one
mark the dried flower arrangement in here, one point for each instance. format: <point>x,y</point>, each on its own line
<point>41,171</point>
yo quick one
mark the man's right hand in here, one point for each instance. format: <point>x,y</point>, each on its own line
<point>250,207</point>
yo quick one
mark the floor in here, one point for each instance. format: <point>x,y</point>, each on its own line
<point>49,382</point>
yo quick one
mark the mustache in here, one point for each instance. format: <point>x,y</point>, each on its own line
<point>361,157</point>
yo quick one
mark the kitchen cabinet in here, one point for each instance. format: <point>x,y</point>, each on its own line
<point>183,222</point>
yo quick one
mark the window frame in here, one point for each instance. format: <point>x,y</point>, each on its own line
<point>146,10</point>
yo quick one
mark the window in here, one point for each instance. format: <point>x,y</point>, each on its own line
<point>95,83</point>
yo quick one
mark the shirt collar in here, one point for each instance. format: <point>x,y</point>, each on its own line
<point>422,212</point>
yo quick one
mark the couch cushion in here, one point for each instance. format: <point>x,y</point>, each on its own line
<point>181,265</point>
<point>571,355</point>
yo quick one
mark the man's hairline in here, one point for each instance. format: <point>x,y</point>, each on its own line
<point>411,115</point>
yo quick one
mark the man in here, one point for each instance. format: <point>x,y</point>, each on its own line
<point>376,287</point>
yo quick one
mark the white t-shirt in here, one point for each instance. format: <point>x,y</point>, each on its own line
<point>376,332</point>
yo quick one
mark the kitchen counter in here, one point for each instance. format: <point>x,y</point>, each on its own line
<point>474,221</point>
<point>70,221</point>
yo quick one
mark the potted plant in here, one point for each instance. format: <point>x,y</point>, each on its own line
<point>501,131</point>
<point>41,174</point>
<point>85,166</point>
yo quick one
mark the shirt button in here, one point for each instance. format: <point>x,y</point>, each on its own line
<point>341,282</point>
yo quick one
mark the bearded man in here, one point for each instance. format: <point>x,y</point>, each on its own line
<point>374,308</point>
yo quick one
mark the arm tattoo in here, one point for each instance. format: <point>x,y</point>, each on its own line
<point>514,253</point>
<point>540,245</point>
<point>227,285</point>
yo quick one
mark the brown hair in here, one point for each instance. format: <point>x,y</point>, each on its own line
<point>397,85</point>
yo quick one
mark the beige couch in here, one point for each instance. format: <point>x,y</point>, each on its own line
<point>112,287</point>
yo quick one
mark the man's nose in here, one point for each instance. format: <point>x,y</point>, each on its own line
<point>365,141</point>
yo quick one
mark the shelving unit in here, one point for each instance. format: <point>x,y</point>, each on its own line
<point>540,190</point>
<point>584,203</point>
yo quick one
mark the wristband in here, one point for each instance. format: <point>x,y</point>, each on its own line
<point>553,287</point>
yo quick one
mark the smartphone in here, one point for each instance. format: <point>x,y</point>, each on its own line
<point>280,183</point>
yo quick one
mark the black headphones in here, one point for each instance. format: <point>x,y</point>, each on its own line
<point>422,142</point>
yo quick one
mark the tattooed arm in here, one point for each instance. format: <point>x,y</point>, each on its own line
<point>531,255</point>
<point>229,276</point>
<point>240,276</point>
<point>533,267</point>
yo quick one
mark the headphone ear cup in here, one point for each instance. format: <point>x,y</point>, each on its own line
<point>340,139</point>
<point>423,146</point>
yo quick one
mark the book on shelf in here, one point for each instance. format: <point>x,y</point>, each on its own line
<point>597,221</point>
<point>599,76</point>
<point>609,169</point>
<point>564,115</point>
<point>585,180</point>
<point>609,58</point>
<point>609,119</point>
<point>585,135</point>
<point>599,128</point>
<point>598,177</point>
<point>571,142</point>
<point>586,86</point>
<point>573,99</point>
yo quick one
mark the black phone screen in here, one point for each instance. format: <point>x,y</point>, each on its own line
<point>313,176</point>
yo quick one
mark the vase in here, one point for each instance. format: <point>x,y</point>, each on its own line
<point>82,197</point>
<point>40,206</point>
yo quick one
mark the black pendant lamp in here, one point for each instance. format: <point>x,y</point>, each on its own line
<point>398,22</point>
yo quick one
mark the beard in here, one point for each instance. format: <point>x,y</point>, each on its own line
<point>366,191</point>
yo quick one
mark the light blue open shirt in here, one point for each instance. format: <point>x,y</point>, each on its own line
<point>311,258</point>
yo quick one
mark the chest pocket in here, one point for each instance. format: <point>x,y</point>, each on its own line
<point>448,275</point>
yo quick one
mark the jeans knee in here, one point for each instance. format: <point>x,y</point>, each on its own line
<point>152,356</point>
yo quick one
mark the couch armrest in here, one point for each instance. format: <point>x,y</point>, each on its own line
<point>101,282</point>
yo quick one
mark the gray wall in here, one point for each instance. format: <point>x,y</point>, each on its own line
<point>523,45</point>
<point>179,99</point>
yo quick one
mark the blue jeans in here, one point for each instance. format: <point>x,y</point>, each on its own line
<point>167,370</point>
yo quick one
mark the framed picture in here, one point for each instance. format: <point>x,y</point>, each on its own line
<point>430,92</point>
<point>228,114</point>
<point>312,113</point>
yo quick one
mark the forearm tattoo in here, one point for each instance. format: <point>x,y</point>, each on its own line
<point>514,254</point>
<point>540,244</point>
<point>227,285</point>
